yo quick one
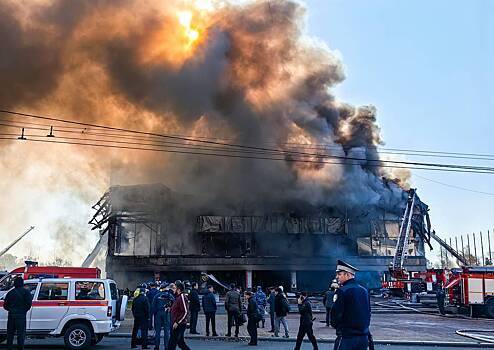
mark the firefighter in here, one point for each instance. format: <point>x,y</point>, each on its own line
<point>440,296</point>
<point>351,313</point>
<point>17,302</point>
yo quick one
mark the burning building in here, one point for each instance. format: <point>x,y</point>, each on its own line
<point>153,231</point>
<point>271,174</point>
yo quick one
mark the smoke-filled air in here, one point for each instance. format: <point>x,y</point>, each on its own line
<point>244,73</point>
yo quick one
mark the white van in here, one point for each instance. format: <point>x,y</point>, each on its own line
<point>82,310</point>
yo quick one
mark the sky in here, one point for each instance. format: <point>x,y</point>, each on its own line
<point>428,67</point>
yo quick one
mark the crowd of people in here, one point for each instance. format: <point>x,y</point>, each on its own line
<point>166,307</point>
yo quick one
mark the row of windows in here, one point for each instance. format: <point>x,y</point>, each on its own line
<point>60,291</point>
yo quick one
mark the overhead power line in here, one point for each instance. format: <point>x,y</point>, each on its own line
<point>228,147</point>
<point>454,186</point>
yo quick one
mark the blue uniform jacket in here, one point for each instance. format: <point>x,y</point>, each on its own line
<point>209,303</point>
<point>351,311</point>
<point>162,301</point>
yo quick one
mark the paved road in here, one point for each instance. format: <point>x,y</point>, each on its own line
<point>122,343</point>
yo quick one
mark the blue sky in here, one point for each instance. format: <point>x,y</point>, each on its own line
<point>428,66</point>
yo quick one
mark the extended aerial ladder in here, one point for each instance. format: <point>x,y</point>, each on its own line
<point>15,241</point>
<point>397,270</point>
<point>450,249</point>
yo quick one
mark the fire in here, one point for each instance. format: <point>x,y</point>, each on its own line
<point>191,33</point>
<point>179,37</point>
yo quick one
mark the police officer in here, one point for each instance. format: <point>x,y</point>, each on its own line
<point>440,296</point>
<point>253,316</point>
<point>350,314</point>
<point>17,302</point>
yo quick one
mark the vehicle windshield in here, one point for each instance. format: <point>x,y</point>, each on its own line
<point>7,281</point>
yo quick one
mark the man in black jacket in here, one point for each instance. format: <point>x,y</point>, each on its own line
<point>253,318</point>
<point>281,308</point>
<point>209,307</point>
<point>306,320</point>
<point>195,307</point>
<point>17,302</point>
<point>140,311</point>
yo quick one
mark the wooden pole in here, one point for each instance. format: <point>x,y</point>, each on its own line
<point>469,251</point>
<point>475,248</point>
<point>482,247</point>
<point>462,247</point>
<point>489,239</point>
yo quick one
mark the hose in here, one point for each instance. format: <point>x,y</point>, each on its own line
<point>469,333</point>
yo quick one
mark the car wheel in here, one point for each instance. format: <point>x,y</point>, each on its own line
<point>489,308</point>
<point>78,336</point>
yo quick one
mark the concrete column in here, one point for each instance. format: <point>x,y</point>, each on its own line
<point>248,279</point>
<point>294,280</point>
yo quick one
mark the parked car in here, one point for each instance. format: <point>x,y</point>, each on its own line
<point>81,310</point>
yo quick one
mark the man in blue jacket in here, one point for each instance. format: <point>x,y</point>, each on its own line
<point>162,303</point>
<point>261,303</point>
<point>195,307</point>
<point>209,307</point>
<point>151,293</point>
<point>351,312</point>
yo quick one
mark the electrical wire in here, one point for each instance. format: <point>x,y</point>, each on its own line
<point>454,186</point>
<point>261,150</point>
<point>229,155</point>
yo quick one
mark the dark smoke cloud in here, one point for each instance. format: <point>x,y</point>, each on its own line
<point>253,77</point>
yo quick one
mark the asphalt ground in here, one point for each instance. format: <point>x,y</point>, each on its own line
<point>390,326</point>
<point>196,344</point>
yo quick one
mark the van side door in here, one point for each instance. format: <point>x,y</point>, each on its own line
<point>49,307</point>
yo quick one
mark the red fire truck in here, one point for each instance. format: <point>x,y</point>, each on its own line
<point>32,271</point>
<point>472,288</point>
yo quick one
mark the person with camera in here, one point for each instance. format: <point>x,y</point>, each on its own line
<point>306,322</point>
<point>161,306</point>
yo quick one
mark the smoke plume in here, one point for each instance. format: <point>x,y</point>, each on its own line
<point>247,73</point>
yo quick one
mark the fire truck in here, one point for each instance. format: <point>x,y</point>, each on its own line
<point>32,271</point>
<point>472,288</point>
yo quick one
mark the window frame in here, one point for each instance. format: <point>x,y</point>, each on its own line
<point>94,282</point>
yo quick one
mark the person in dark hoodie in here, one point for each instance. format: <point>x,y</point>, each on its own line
<point>209,307</point>
<point>153,290</point>
<point>195,307</point>
<point>161,306</point>
<point>17,302</point>
<point>253,317</point>
<point>306,321</point>
<point>179,310</point>
<point>141,312</point>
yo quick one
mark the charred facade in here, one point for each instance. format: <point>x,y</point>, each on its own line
<point>152,230</point>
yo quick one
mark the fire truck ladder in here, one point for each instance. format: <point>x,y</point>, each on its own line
<point>402,244</point>
<point>450,249</point>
